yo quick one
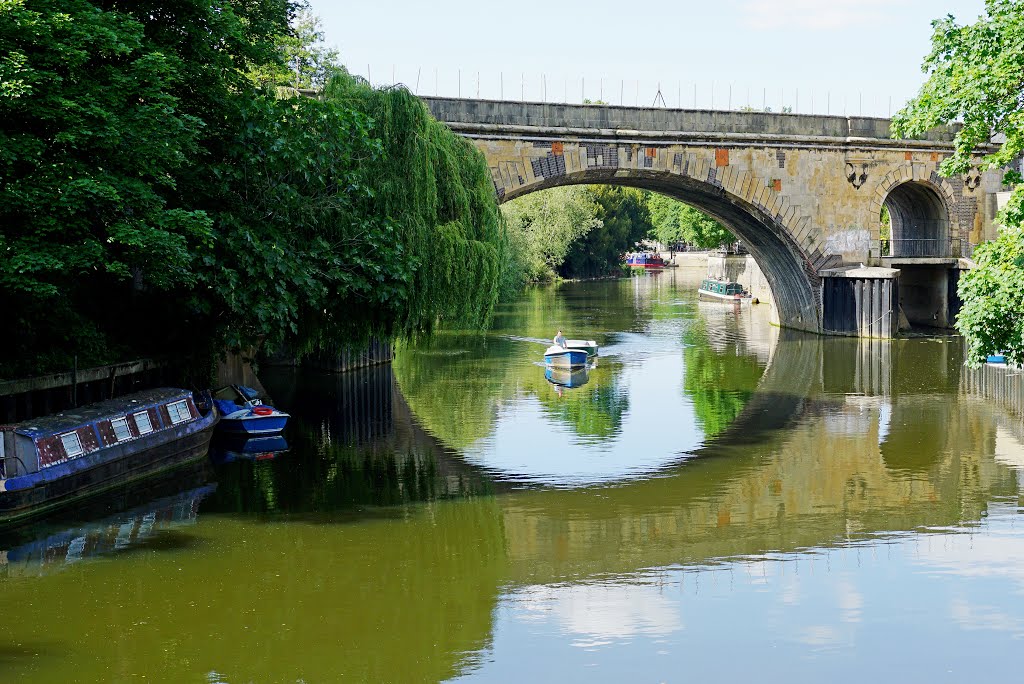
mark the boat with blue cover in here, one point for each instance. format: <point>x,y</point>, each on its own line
<point>244,412</point>
<point>50,462</point>
<point>563,357</point>
<point>646,260</point>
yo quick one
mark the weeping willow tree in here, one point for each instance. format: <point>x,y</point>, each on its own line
<point>353,215</point>
<point>437,222</point>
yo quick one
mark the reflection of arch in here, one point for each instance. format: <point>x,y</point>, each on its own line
<point>920,214</point>
<point>765,225</point>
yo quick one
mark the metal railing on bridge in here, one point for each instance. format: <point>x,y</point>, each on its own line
<point>921,247</point>
<point>564,88</point>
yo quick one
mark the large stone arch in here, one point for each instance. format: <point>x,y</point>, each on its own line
<point>775,232</point>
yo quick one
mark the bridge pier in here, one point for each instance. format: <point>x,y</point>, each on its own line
<point>860,302</point>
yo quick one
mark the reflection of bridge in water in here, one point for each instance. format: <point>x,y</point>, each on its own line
<point>817,457</point>
<point>842,439</point>
<point>873,441</point>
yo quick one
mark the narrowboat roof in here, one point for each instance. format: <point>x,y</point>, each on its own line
<point>90,413</point>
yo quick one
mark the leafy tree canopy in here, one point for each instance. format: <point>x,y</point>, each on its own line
<point>109,117</point>
<point>306,61</point>
<point>544,225</point>
<point>976,76</point>
<point>156,200</point>
<point>676,222</point>
<point>992,316</point>
<point>624,220</point>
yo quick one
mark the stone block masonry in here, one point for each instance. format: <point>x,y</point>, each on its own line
<point>803,192</point>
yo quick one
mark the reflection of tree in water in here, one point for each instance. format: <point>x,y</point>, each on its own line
<point>345,451</point>
<point>457,382</point>
<point>720,383</point>
<point>318,475</point>
<point>593,411</point>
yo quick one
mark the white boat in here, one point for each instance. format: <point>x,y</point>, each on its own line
<point>589,346</point>
<point>563,357</point>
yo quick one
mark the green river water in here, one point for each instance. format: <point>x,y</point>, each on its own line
<point>717,500</point>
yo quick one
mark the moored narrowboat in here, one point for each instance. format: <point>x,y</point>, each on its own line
<point>723,290</point>
<point>646,260</point>
<point>49,462</point>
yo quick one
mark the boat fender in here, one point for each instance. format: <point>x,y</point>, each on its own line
<point>262,410</point>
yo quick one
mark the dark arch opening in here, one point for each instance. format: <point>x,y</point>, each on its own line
<point>920,222</point>
<point>922,248</point>
<point>793,284</point>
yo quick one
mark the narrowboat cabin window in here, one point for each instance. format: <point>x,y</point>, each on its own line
<point>178,411</point>
<point>72,445</point>
<point>121,431</point>
<point>144,423</point>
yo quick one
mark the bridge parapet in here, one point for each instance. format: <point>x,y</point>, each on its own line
<point>482,115</point>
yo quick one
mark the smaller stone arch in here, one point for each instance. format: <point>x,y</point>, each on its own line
<point>921,210</point>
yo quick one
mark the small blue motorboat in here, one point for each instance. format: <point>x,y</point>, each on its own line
<point>243,411</point>
<point>997,359</point>
<point>561,357</point>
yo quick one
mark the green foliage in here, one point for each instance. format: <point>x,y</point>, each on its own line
<point>976,76</point>
<point>992,316</point>
<point>624,220</point>
<point>306,61</point>
<point>155,200</point>
<point>575,232</point>
<point>544,225</point>
<point>885,223</point>
<point>676,222</point>
<point>351,215</point>
<point>434,197</point>
<point>103,114</point>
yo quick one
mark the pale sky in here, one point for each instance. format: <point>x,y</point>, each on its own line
<point>845,55</point>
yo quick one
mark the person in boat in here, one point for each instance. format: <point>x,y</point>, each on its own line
<point>560,340</point>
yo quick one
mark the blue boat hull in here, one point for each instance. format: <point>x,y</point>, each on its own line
<point>254,425</point>
<point>570,358</point>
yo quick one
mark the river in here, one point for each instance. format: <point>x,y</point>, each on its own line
<point>716,500</point>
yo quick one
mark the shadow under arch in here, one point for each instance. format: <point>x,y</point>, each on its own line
<point>919,211</point>
<point>794,283</point>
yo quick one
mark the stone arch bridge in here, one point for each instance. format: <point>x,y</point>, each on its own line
<point>803,192</point>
